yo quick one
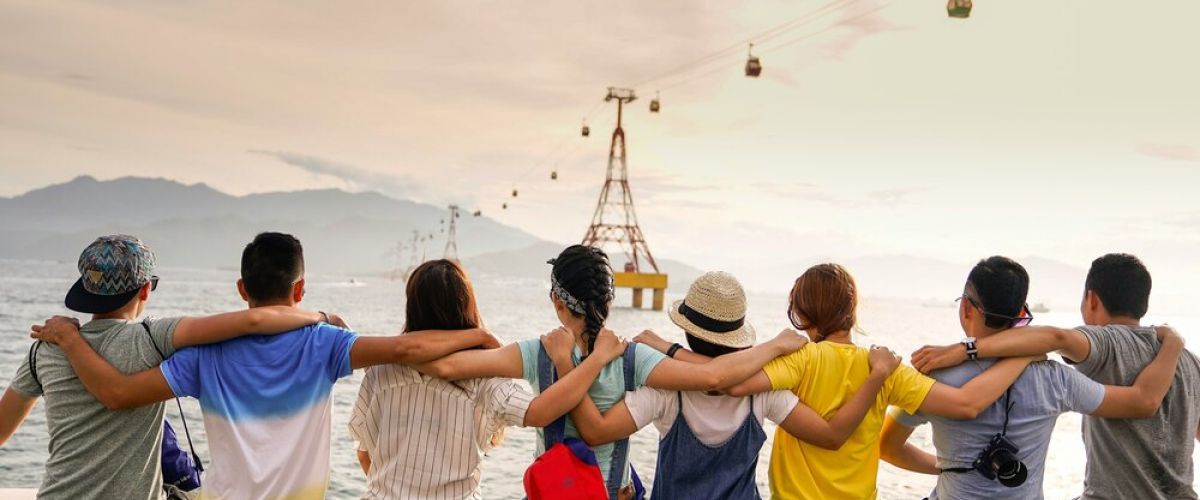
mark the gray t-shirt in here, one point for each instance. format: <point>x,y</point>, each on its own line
<point>95,452</point>
<point>1044,391</point>
<point>1149,458</point>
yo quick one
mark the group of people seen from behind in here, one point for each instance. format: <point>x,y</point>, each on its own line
<point>440,394</point>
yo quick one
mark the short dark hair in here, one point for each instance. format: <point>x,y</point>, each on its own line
<point>701,346</point>
<point>1122,283</point>
<point>440,297</point>
<point>271,264</point>
<point>1002,286</point>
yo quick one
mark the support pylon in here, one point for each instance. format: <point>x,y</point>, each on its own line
<point>451,252</point>
<point>615,220</point>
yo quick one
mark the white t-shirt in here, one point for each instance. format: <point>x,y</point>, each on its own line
<point>714,419</point>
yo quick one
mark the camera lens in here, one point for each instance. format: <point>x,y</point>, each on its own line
<point>1008,468</point>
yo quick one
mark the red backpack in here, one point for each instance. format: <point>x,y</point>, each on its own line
<point>568,468</point>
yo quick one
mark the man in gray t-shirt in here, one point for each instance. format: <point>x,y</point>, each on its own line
<point>1149,458</point>
<point>95,452</point>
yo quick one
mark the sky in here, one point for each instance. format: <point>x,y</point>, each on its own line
<point>1060,129</point>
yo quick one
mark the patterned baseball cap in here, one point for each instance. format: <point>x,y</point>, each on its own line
<point>111,271</point>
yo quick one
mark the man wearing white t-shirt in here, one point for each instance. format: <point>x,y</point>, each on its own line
<point>711,442</point>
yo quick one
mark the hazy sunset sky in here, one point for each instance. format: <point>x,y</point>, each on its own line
<point>1064,129</point>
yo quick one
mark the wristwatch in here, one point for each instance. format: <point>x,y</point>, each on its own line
<point>972,351</point>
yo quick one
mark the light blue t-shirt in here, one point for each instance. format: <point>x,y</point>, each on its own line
<point>606,391</point>
<point>267,406</point>
<point>1044,391</point>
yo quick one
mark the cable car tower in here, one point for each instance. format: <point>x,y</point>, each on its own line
<point>451,252</point>
<point>615,220</point>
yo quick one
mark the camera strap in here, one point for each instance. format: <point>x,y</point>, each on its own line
<point>1008,406</point>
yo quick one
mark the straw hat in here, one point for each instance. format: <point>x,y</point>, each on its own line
<point>715,311</point>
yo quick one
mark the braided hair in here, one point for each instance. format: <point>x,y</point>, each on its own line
<point>585,274</point>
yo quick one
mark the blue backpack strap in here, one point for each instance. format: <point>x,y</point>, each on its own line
<point>547,374</point>
<point>620,454</point>
<point>186,432</point>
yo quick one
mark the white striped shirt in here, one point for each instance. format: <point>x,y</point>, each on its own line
<point>426,437</point>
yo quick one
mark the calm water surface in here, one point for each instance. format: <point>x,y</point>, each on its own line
<point>513,308</point>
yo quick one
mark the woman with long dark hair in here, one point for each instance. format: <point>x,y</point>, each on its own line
<point>581,291</point>
<point>423,437</point>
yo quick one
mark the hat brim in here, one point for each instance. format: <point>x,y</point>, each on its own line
<point>80,300</point>
<point>738,339</point>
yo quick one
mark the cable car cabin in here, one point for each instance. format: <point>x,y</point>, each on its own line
<point>504,206</point>
<point>586,131</point>
<point>554,175</point>
<point>753,67</point>
<point>654,105</point>
<point>960,9</point>
<point>514,193</point>
<point>478,213</point>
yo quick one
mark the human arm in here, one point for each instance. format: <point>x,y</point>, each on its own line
<point>723,371</point>
<point>572,386</point>
<point>114,389</point>
<point>503,362</point>
<point>968,401</point>
<point>806,425</point>
<point>653,341</point>
<point>14,407</point>
<point>1142,399</point>
<point>895,449</point>
<point>1026,341</point>
<point>418,347</point>
<point>266,320</point>
<point>364,461</point>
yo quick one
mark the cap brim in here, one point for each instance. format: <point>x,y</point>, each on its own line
<point>1016,480</point>
<point>80,300</point>
<point>740,338</point>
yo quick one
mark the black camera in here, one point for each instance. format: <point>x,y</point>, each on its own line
<point>999,461</point>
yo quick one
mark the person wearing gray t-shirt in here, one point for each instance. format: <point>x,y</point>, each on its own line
<point>994,300</point>
<point>95,452</point>
<point>1149,458</point>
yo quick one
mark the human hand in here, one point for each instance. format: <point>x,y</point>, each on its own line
<point>930,358</point>
<point>1165,333</point>
<point>608,346</point>
<point>652,340</point>
<point>57,330</point>
<point>559,344</point>
<point>789,341</point>
<point>489,339</point>
<point>336,320</point>
<point>882,360</point>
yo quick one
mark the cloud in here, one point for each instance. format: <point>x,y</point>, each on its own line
<point>356,178</point>
<point>862,20</point>
<point>1175,152</point>
<point>829,196</point>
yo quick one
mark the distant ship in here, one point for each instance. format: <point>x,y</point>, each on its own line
<point>1039,308</point>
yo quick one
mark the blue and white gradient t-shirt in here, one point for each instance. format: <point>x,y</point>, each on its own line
<point>266,403</point>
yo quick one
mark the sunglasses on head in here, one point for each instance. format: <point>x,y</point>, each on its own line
<point>1024,318</point>
<point>153,283</point>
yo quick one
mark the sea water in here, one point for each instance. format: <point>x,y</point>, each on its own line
<point>514,309</point>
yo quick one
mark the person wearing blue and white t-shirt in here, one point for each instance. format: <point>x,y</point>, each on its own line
<point>710,442</point>
<point>266,400</point>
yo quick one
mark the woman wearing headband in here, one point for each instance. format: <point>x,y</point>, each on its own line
<point>581,293</point>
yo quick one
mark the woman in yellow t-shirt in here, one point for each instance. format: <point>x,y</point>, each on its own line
<point>827,372</point>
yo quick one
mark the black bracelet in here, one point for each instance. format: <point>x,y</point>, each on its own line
<point>673,349</point>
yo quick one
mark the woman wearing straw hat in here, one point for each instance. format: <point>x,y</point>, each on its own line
<point>711,442</point>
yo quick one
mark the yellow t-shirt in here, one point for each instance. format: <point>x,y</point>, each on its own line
<point>824,375</point>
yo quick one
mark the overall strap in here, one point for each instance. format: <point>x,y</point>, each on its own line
<point>547,374</point>
<point>620,453</point>
<point>186,432</point>
<point>33,349</point>
<point>679,403</point>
